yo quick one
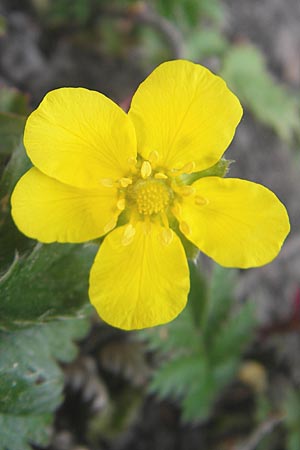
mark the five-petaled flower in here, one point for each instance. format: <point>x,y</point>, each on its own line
<point>101,172</point>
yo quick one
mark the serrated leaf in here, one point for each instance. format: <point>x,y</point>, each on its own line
<point>199,399</point>
<point>31,382</point>
<point>11,128</point>
<point>245,71</point>
<point>231,338</point>
<point>51,282</point>
<point>220,300</point>
<point>175,377</point>
<point>11,240</point>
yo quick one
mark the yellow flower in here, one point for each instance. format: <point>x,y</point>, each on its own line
<point>99,171</point>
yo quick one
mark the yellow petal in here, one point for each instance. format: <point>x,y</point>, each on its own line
<point>48,210</point>
<point>185,114</point>
<point>142,283</point>
<point>238,223</point>
<point>79,137</point>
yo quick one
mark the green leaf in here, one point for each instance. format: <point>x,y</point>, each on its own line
<point>31,382</point>
<point>204,43</point>
<point>11,128</point>
<point>220,300</point>
<point>197,403</point>
<point>232,337</point>
<point>18,432</point>
<point>13,101</point>
<point>177,375</point>
<point>11,240</point>
<point>246,73</point>
<point>198,358</point>
<point>51,282</point>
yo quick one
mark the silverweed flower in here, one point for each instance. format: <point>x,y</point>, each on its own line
<point>140,180</point>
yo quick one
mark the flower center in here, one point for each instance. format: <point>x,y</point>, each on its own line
<point>151,196</point>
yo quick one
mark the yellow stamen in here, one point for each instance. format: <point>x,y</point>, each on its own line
<point>154,157</point>
<point>132,161</point>
<point>165,219</point>
<point>128,234</point>
<point>201,201</point>
<point>110,225</point>
<point>187,190</point>
<point>184,228</point>
<point>160,176</point>
<point>107,182</point>
<point>146,170</point>
<point>124,182</point>
<point>189,167</point>
<point>167,236</point>
<point>121,204</point>
<point>177,210</point>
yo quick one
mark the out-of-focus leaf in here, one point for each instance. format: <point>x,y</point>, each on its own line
<point>175,375</point>
<point>246,73</point>
<point>51,282</point>
<point>190,11</point>
<point>18,432</point>
<point>220,300</point>
<point>31,382</point>
<point>198,353</point>
<point>11,240</point>
<point>13,101</point>
<point>204,43</point>
<point>11,128</point>
<point>292,418</point>
<point>3,25</point>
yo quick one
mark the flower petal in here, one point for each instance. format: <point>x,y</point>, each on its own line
<point>236,222</point>
<point>133,286</point>
<point>186,114</point>
<point>48,210</point>
<point>79,136</point>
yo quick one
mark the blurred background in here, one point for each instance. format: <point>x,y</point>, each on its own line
<point>225,375</point>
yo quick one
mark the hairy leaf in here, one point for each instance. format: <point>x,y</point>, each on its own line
<point>51,282</point>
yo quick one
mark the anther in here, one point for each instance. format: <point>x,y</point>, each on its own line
<point>110,225</point>
<point>107,182</point>
<point>177,210</point>
<point>201,201</point>
<point>154,157</point>
<point>121,204</point>
<point>160,176</point>
<point>187,190</point>
<point>146,170</point>
<point>184,228</point>
<point>124,182</point>
<point>131,161</point>
<point>189,167</point>
<point>167,236</point>
<point>128,234</point>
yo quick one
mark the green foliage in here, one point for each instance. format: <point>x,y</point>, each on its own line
<point>11,128</point>
<point>13,101</point>
<point>37,284</point>
<point>199,352</point>
<point>52,282</point>
<point>190,11</point>
<point>292,419</point>
<point>31,382</point>
<point>245,71</point>
<point>206,42</point>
